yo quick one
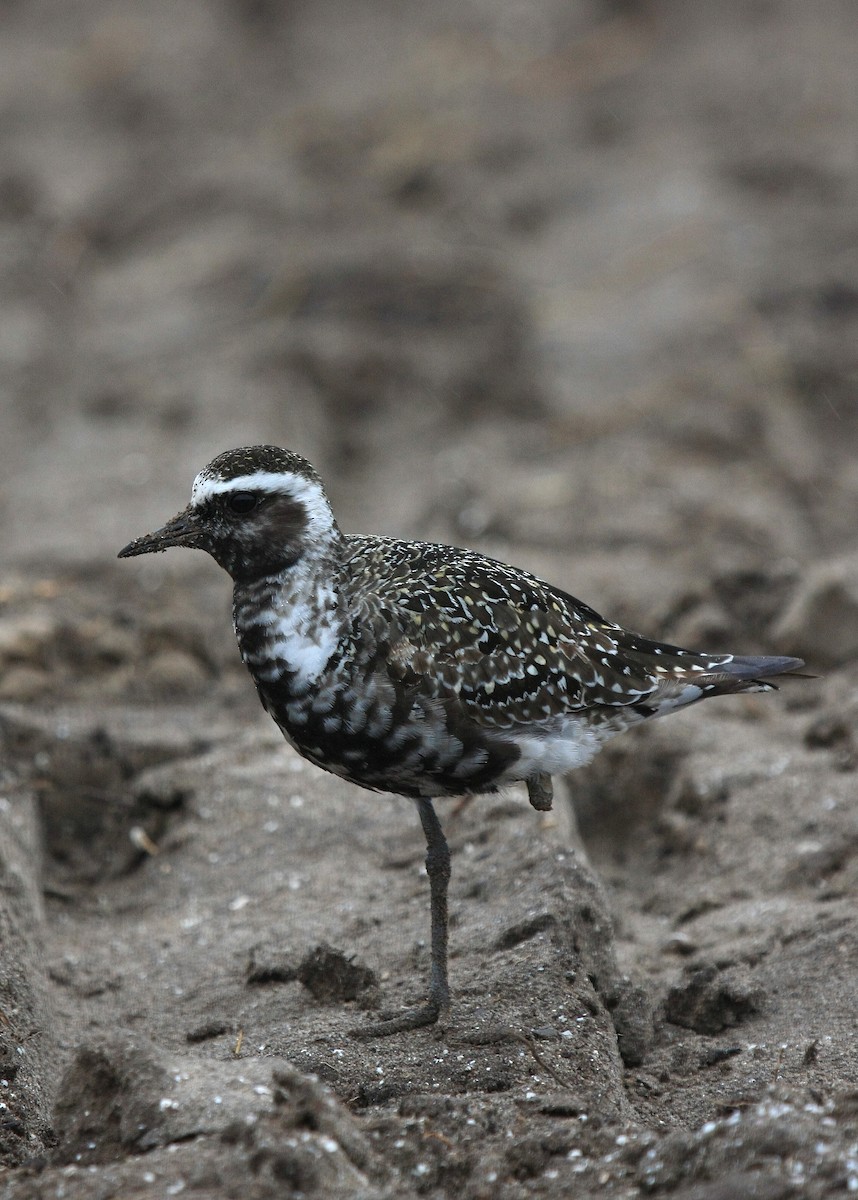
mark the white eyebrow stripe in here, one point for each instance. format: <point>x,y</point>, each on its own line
<point>304,491</point>
<point>268,481</point>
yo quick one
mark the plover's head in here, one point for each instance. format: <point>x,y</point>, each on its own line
<point>256,510</point>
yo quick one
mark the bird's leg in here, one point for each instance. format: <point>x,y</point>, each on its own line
<point>438,870</point>
<point>540,791</point>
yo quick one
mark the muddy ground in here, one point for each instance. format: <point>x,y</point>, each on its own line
<point>571,281</point>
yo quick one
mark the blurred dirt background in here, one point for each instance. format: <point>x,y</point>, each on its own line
<point>571,281</point>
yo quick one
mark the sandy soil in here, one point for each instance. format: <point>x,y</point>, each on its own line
<point>574,282</point>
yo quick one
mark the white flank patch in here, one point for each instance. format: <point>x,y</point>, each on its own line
<point>688,695</point>
<point>572,745</point>
<point>304,491</point>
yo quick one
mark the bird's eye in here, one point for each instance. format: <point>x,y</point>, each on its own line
<point>243,502</point>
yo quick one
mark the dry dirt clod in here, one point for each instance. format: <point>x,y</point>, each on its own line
<point>821,622</point>
<point>270,964</point>
<point>331,977</point>
<point>710,1000</point>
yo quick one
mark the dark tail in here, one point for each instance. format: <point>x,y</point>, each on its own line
<point>749,667</point>
<point>751,673</point>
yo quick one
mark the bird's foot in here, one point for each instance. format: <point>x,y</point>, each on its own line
<point>540,791</point>
<point>411,1018</point>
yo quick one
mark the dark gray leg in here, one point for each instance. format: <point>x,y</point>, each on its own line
<point>438,870</point>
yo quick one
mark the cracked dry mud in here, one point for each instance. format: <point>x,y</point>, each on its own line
<point>570,282</point>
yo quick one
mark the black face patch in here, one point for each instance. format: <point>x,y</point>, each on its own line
<point>282,522</point>
<point>261,534</point>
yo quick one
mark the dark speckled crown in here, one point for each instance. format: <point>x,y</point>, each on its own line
<point>248,460</point>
